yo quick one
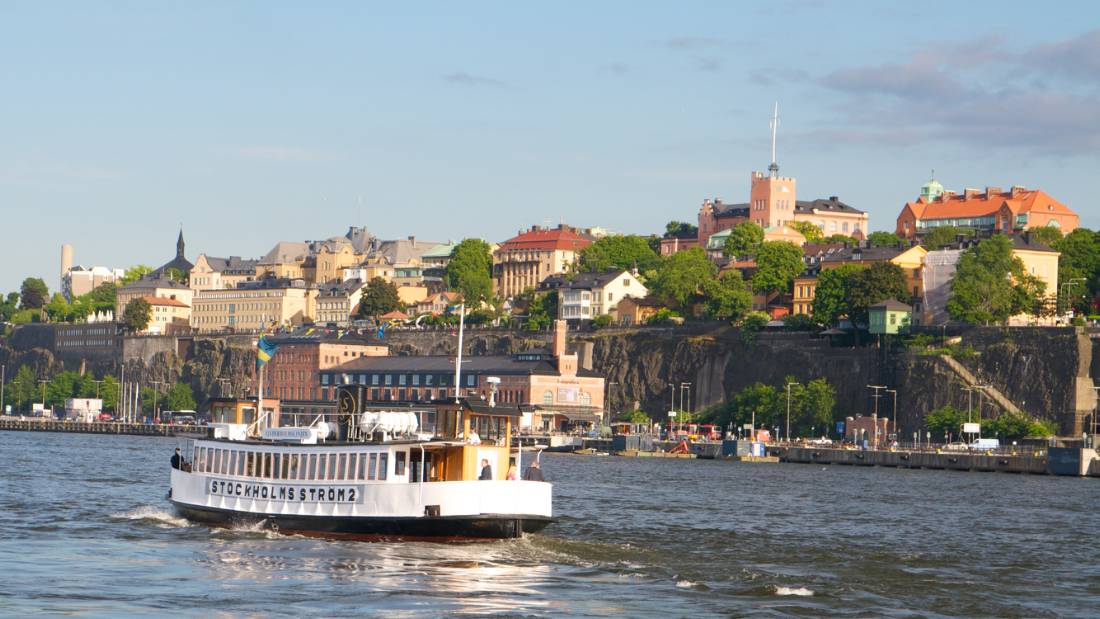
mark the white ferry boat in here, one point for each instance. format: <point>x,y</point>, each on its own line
<point>375,474</point>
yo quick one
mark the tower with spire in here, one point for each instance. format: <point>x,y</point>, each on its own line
<point>772,197</point>
<point>180,245</point>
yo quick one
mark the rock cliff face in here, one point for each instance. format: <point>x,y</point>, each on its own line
<point>1046,372</point>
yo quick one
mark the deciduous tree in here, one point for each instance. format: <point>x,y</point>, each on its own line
<point>833,291</point>
<point>809,230</point>
<point>33,294</point>
<point>136,316</point>
<point>379,297</point>
<point>728,297</point>
<point>884,239</point>
<point>619,251</point>
<point>681,277</point>
<point>470,271</point>
<point>990,284</point>
<point>777,264</point>
<point>877,283</point>
<point>744,239</point>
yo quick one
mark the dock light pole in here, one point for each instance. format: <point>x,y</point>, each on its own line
<point>895,392</point>
<point>97,384</point>
<point>156,417</point>
<point>682,387</point>
<point>3,376</point>
<point>874,415</point>
<point>981,392</point>
<point>789,410</point>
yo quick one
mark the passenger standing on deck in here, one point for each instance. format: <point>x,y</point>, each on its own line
<point>513,474</point>
<point>486,471</point>
<point>176,459</point>
<point>533,472</point>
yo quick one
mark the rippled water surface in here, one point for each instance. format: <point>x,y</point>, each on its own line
<point>85,530</point>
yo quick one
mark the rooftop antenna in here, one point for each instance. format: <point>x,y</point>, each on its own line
<point>774,124</point>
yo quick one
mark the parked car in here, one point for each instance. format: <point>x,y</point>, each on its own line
<point>184,420</point>
<point>105,417</point>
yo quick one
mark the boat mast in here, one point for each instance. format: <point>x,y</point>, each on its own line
<point>458,357</point>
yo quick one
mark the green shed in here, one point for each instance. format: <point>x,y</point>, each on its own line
<point>889,318</point>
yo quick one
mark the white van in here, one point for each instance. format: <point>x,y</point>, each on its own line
<point>986,443</point>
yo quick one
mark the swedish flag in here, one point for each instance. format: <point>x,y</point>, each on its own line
<point>265,350</point>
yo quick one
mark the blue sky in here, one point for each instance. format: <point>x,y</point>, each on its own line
<point>248,123</point>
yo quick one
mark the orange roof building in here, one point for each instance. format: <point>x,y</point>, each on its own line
<point>524,260</point>
<point>1009,211</point>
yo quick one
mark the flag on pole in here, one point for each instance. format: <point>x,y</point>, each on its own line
<point>265,350</point>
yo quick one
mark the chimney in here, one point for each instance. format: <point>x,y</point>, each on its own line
<point>1017,190</point>
<point>834,199</point>
<point>561,328</point>
<point>969,192</point>
<point>991,191</point>
<point>412,239</point>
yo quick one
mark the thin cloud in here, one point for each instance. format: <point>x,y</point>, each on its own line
<point>280,153</point>
<point>979,94</point>
<point>617,69</point>
<point>461,78</point>
<point>692,43</point>
<point>708,64</point>
<point>38,174</point>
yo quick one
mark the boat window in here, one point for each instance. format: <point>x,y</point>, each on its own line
<point>293,473</point>
<point>276,459</point>
<point>341,466</point>
<point>311,470</point>
<point>224,468</point>
<point>231,462</point>
<point>383,465</point>
<point>240,464</point>
<point>399,463</point>
<point>267,469</point>
<point>328,465</point>
<point>250,469</point>
<point>362,466</point>
<point>201,462</point>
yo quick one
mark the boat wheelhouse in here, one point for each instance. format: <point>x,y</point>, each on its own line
<point>436,473</point>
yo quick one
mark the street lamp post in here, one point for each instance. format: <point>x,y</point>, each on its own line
<point>874,415</point>
<point>789,410</point>
<point>3,376</point>
<point>895,392</point>
<point>156,417</point>
<point>43,383</point>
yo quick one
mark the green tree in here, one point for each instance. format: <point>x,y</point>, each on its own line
<point>33,293</point>
<point>541,309</point>
<point>1007,426</point>
<point>941,236</point>
<point>1080,260</point>
<point>180,398</point>
<point>134,273</point>
<point>619,251</point>
<point>639,417</point>
<point>877,283</point>
<point>840,238</point>
<point>61,387</point>
<point>177,275</point>
<point>136,316</point>
<point>728,297</point>
<point>946,419</point>
<point>985,289</point>
<point>9,306</point>
<point>680,279</point>
<point>833,291</point>
<point>809,230</point>
<point>21,391</point>
<point>470,271</point>
<point>768,404</point>
<point>1047,235</point>
<point>379,297</point>
<point>58,309</point>
<point>884,239</point>
<point>108,392</point>
<point>812,406</point>
<point>680,229</point>
<point>745,238</point>
<point>777,264</point>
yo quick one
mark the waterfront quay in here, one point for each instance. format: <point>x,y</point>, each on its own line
<point>37,424</point>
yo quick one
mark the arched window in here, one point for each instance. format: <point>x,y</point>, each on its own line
<point>548,397</point>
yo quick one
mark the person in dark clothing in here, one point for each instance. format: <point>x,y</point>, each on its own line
<point>177,461</point>
<point>486,471</point>
<point>533,472</point>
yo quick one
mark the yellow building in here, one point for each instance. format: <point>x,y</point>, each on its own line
<point>167,314</point>
<point>159,288</point>
<point>1040,261</point>
<point>250,306</point>
<point>802,302</point>
<point>210,273</point>
<point>530,257</point>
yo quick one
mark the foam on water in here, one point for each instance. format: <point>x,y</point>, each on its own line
<point>799,591</point>
<point>163,518</point>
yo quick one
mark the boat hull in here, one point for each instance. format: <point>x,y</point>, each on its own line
<point>443,528</point>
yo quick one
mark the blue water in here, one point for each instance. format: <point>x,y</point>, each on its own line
<point>85,530</point>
